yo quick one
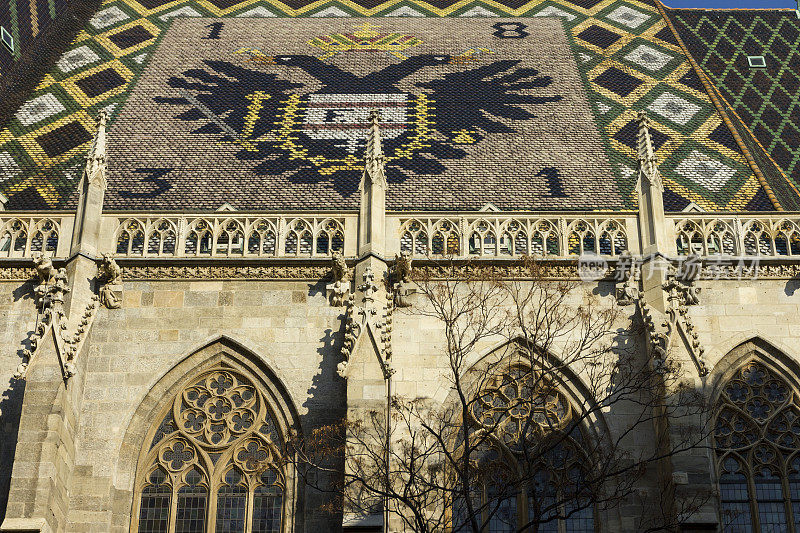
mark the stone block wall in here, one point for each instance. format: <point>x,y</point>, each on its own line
<point>288,325</point>
<point>17,321</point>
<point>731,312</point>
<point>291,329</point>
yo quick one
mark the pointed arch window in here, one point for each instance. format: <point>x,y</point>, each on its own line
<point>757,443</point>
<point>213,465</point>
<point>532,472</point>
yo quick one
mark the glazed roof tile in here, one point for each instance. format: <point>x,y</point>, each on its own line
<point>766,101</point>
<point>527,105</point>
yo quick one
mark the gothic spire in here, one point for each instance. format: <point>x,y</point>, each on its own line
<point>96,159</point>
<point>374,158</point>
<point>647,160</point>
<point>371,222</point>
<point>91,189</point>
<point>651,194</point>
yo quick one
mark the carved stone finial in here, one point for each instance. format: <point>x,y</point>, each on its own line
<point>652,224</point>
<point>647,158</point>
<point>374,159</point>
<point>681,292</point>
<point>680,283</point>
<point>372,191</point>
<point>369,288</point>
<point>49,296</point>
<point>60,285</point>
<point>96,159</point>
<point>91,191</point>
<point>374,147</point>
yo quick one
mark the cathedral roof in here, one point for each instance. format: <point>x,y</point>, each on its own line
<point>764,101</point>
<point>263,105</point>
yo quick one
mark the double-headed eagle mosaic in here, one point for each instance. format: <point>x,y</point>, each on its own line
<point>318,134</point>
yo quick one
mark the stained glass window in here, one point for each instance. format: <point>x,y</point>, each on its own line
<point>231,504</point>
<point>735,500</point>
<point>757,441</point>
<point>523,410</point>
<point>154,510</point>
<point>794,490</point>
<point>501,509</point>
<point>267,504</point>
<point>214,454</point>
<point>192,504</point>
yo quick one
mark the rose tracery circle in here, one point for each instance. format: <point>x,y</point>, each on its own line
<point>252,454</point>
<point>518,401</point>
<point>218,415</point>
<point>218,408</point>
<point>756,404</point>
<point>176,454</point>
<point>756,437</point>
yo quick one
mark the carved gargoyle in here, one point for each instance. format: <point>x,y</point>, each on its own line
<point>53,283</point>
<point>689,273</point>
<point>111,274</point>
<point>339,267</point>
<point>44,268</point>
<point>401,280</point>
<point>627,271</point>
<point>401,270</point>
<point>680,285</point>
<point>340,288</point>
<point>692,294</point>
<point>110,270</point>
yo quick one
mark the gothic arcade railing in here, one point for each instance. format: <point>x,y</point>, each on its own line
<point>489,235</point>
<point>497,235</point>
<point>233,235</point>
<point>763,235</point>
<point>23,235</point>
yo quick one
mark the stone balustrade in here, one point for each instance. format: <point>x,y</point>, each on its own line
<point>25,234</point>
<point>232,235</point>
<point>485,235</point>
<point>737,235</point>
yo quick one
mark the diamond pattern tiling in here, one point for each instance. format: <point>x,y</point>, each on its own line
<point>624,50</point>
<point>766,99</point>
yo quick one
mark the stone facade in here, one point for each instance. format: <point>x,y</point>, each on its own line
<point>151,355</point>
<point>79,411</point>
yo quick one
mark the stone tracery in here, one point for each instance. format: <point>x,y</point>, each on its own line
<point>757,436</point>
<point>214,461</point>
<point>521,408</point>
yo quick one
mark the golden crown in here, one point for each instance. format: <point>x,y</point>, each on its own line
<point>364,39</point>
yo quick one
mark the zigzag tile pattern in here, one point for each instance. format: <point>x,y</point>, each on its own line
<point>23,21</point>
<point>766,99</point>
<point>625,51</point>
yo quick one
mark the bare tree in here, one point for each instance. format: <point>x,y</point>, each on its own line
<point>520,443</point>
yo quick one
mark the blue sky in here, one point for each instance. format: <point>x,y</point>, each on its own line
<point>728,4</point>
